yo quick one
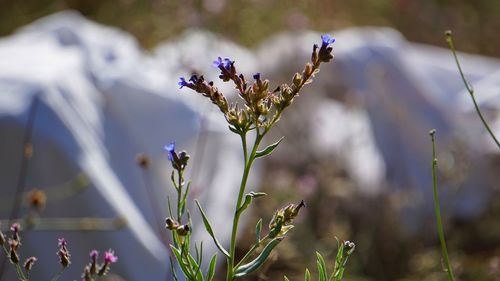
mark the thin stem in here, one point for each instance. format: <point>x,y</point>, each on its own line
<point>236,218</point>
<point>56,277</point>
<point>439,223</point>
<point>449,40</point>
<point>179,196</point>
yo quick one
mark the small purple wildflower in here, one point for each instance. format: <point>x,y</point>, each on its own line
<point>182,82</point>
<point>109,257</point>
<point>15,227</point>
<point>61,242</point>
<point>93,254</point>
<point>327,40</point>
<point>171,150</point>
<point>256,76</point>
<point>225,63</point>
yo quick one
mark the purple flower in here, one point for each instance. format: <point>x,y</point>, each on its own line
<point>15,227</point>
<point>327,40</point>
<point>256,76</point>
<point>225,63</point>
<point>94,254</point>
<point>171,150</point>
<point>109,257</point>
<point>182,83</point>
<point>61,242</point>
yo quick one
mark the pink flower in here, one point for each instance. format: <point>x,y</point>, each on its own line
<point>61,242</point>
<point>109,257</point>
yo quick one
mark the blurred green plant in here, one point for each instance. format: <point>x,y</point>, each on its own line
<point>468,86</point>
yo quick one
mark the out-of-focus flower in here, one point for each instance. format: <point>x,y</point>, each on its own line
<point>109,257</point>
<point>28,264</point>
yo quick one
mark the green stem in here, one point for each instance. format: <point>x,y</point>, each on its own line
<point>56,277</point>
<point>449,40</point>
<point>179,197</point>
<point>439,223</point>
<point>236,218</point>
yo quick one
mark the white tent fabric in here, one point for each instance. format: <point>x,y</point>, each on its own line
<point>102,100</point>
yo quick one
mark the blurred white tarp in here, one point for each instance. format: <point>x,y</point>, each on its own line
<point>102,100</point>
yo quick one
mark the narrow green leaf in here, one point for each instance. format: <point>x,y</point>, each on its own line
<point>258,261</point>
<point>173,269</point>
<point>211,268</point>
<point>196,268</point>
<point>180,261</point>
<point>307,275</point>
<point>321,267</point>
<point>184,198</point>
<point>210,231</point>
<point>286,278</point>
<point>258,230</point>
<point>268,149</point>
<point>248,200</point>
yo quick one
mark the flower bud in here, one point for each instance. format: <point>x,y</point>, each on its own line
<point>308,69</point>
<point>14,258</point>
<point>171,224</point>
<point>183,230</point>
<point>297,79</point>
<point>28,264</point>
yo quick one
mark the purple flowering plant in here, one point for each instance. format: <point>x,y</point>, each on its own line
<point>260,110</point>
<point>23,271</point>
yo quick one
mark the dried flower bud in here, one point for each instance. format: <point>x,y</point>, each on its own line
<point>63,253</point>
<point>297,79</point>
<point>13,256</point>
<point>15,228</point>
<point>349,247</point>
<point>183,230</point>
<point>171,224</point>
<point>28,264</point>
<point>37,199</point>
<point>291,211</point>
<point>142,160</point>
<point>64,258</point>
<point>308,69</point>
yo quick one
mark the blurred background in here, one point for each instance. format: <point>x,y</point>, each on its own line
<point>356,146</point>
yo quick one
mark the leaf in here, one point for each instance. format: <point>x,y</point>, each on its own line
<point>321,267</point>
<point>248,200</point>
<point>258,230</point>
<point>173,269</point>
<point>307,275</point>
<point>184,198</point>
<point>210,231</point>
<point>180,261</point>
<point>196,267</point>
<point>268,149</point>
<point>211,268</point>
<point>258,261</point>
<point>286,278</point>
